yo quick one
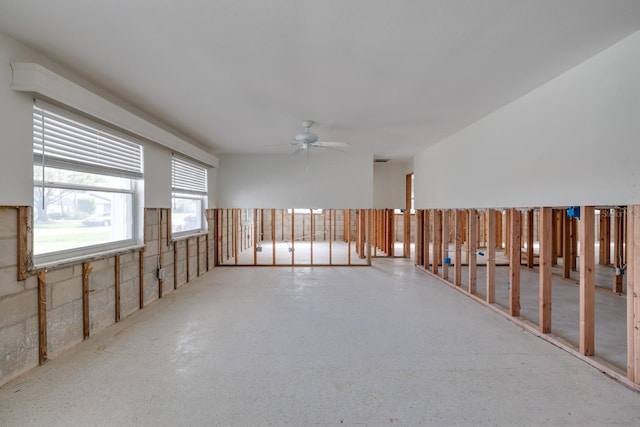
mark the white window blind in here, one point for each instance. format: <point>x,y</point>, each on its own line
<point>65,140</point>
<point>188,177</point>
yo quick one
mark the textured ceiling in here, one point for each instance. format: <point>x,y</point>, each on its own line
<point>389,77</point>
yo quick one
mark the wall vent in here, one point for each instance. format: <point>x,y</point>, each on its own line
<point>380,160</point>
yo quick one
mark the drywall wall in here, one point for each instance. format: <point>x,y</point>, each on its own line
<point>157,176</point>
<point>572,141</point>
<point>212,188</point>
<point>334,180</point>
<point>389,180</point>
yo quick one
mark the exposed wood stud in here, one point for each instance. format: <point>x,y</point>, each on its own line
<point>633,248</point>
<point>42,316</point>
<point>255,237</point>
<point>117,287</point>
<point>198,256</point>
<point>419,237</point>
<point>546,248</point>
<point>312,225</point>
<point>175,265</point>
<point>492,217</point>
<point>530,238</point>
<point>273,234</point>
<point>514,262</point>
<point>574,243</point>
<point>86,272</point>
<point>566,246</point>
<point>457,271</point>
<point>348,234</point>
<point>331,231</point>
<point>407,217</point>
<point>507,233</point>
<point>25,260</point>
<point>293,235</point>
<point>427,238</point>
<point>554,237</point>
<point>444,239</point>
<point>218,257</point>
<point>160,280</point>
<point>236,232</point>
<point>472,250</point>
<point>618,246</point>
<point>369,233</point>
<point>587,280</point>
<point>188,264</point>
<point>141,278</point>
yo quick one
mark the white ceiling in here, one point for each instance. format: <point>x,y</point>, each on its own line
<point>387,76</point>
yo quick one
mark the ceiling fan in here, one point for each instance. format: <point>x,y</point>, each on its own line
<point>307,140</point>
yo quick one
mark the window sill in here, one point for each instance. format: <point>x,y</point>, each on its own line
<point>80,259</point>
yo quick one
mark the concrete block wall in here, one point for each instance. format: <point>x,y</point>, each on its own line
<point>64,316</point>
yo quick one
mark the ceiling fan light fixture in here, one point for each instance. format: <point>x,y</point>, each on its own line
<point>307,138</point>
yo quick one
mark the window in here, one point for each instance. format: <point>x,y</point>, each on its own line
<point>86,181</point>
<point>189,195</point>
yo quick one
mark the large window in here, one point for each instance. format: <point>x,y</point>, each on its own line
<point>86,181</point>
<point>189,196</point>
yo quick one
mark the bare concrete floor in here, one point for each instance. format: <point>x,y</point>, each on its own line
<point>302,346</point>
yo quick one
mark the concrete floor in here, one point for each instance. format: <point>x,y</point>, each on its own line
<point>316,346</point>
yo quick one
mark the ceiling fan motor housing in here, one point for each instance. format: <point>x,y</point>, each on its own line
<point>306,138</point>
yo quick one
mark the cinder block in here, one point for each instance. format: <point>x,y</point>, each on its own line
<point>102,278</point>
<point>102,309</point>
<point>8,251</point>
<point>8,281</point>
<point>64,292</point>
<point>18,307</point>
<point>61,274</point>
<point>8,222</point>
<point>64,327</point>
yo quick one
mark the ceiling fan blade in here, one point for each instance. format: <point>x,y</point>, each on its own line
<point>300,149</point>
<point>330,148</point>
<point>327,144</point>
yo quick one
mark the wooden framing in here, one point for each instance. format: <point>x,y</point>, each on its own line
<point>187,255</point>
<point>273,233</point>
<point>25,261</point>
<point>499,244</point>
<point>437,240</point>
<point>255,237</point>
<point>457,271</point>
<point>293,234</point>
<point>160,280</point>
<point>331,234</point>
<point>587,281</point>
<point>117,287</point>
<point>492,217</point>
<point>566,246</point>
<point>574,243</point>
<point>514,262</point>
<point>444,239</point>
<point>426,238</point>
<point>369,233</point>
<point>633,296</point>
<point>141,279</point>
<point>530,238</point>
<point>507,233</point>
<point>311,235</point>
<point>86,272</point>
<point>347,227</point>
<point>218,242</point>
<point>472,249</point>
<point>175,264</point>
<point>407,216</point>
<point>618,248</point>
<point>546,249</point>
<point>42,316</point>
<point>419,237</point>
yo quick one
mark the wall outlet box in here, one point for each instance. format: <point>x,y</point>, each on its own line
<point>161,273</point>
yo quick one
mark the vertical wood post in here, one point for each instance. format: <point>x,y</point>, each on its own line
<point>175,264</point>
<point>618,245</point>
<point>507,233</point>
<point>546,248</point>
<point>472,250</point>
<point>437,239</point>
<point>574,243</point>
<point>42,317</point>
<point>141,279</point>
<point>498,240</point>
<point>633,296</point>
<point>491,255</point>
<point>313,230</point>
<point>293,234</point>
<point>407,217</point>
<point>515,244</point>
<point>117,287</point>
<point>445,243</point>
<point>554,237</point>
<point>347,229</point>
<point>331,225</point>
<point>530,238</point>
<point>426,238</point>
<point>419,237</point>
<point>566,246</point>
<point>86,327</point>
<point>587,280</point>
<point>369,233</point>
<point>457,271</point>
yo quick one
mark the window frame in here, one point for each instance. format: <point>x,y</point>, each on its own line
<point>62,161</point>
<point>183,188</point>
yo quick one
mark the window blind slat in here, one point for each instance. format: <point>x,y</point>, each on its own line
<point>188,177</point>
<point>64,138</point>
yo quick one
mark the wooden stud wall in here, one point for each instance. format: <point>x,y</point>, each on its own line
<point>587,280</point>
<point>514,262</point>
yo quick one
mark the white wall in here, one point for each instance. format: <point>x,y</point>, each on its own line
<point>389,180</point>
<point>157,176</point>
<point>212,187</point>
<point>335,180</point>
<point>573,141</point>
